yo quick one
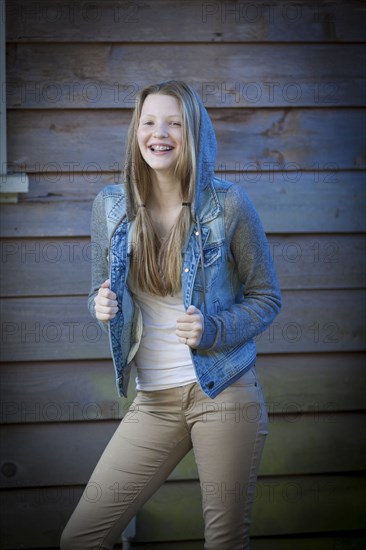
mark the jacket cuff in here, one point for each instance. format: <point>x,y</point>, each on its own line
<point>104,325</point>
<point>209,334</point>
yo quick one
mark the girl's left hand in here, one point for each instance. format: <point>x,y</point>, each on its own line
<point>190,327</point>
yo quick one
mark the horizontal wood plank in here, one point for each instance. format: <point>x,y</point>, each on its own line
<point>297,444</point>
<point>41,392</point>
<point>249,139</point>
<point>313,382</point>
<point>53,219</point>
<point>59,205</point>
<point>174,513</point>
<point>61,327</point>
<point>51,328</point>
<point>116,21</point>
<point>64,76</point>
<point>350,541</point>
<point>316,261</point>
<point>280,507</point>
<point>60,391</point>
<point>310,321</point>
<point>45,267</point>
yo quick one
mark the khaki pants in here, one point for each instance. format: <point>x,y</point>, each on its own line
<point>227,434</point>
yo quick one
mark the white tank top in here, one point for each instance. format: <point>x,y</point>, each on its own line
<point>162,361</point>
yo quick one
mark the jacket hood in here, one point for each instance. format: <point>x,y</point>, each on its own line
<point>205,163</point>
<point>206,156</point>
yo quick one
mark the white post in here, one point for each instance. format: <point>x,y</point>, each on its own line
<point>10,184</point>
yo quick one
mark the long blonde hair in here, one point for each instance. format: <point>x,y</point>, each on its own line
<point>156,266</point>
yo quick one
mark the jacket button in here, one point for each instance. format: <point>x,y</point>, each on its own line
<point>197,233</point>
<point>210,385</point>
<point>186,270</point>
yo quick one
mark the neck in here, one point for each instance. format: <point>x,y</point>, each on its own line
<point>165,192</point>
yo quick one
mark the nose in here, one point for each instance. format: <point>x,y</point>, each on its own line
<point>160,130</point>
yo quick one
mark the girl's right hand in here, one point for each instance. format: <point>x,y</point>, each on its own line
<point>106,306</point>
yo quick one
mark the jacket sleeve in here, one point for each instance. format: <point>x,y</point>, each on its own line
<point>99,253</point>
<point>248,247</point>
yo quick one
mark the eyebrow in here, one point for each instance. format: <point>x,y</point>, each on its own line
<point>177,115</point>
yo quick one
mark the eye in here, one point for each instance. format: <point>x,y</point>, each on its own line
<point>148,122</point>
<point>176,124</point>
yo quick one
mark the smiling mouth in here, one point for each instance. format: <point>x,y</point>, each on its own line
<point>160,148</point>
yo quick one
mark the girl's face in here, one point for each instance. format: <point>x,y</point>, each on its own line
<point>160,132</point>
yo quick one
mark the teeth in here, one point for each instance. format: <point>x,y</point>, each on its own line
<point>161,148</point>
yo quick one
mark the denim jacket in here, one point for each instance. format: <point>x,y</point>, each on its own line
<point>240,285</point>
<point>227,273</point>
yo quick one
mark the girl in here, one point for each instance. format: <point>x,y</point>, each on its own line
<point>183,281</point>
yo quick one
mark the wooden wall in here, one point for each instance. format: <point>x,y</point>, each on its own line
<point>284,83</point>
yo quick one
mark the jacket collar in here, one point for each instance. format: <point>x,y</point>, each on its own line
<point>210,206</point>
<point>116,207</point>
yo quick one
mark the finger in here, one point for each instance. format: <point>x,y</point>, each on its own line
<point>191,313</point>
<point>105,301</point>
<point>106,293</point>
<point>185,319</point>
<point>184,340</point>
<point>106,304</point>
<point>186,327</point>
<point>106,284</point>
<point>182,334</point>
<point>105,317</point>
<point>106,310</point>
<point>189,333</point>
<point>190,322</point>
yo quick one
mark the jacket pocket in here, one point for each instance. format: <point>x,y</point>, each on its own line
<point>212,255</point>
